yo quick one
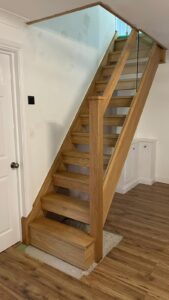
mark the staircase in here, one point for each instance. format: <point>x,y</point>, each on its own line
<point>70,211</point>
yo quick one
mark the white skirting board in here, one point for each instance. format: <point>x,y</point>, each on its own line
<point>126,188</point>
<point>140,165</point>
<point>162,180</point>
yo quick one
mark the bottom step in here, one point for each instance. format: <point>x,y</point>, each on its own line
<point>65,242</point>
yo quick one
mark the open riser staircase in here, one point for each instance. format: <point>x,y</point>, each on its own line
<point>71,208</point>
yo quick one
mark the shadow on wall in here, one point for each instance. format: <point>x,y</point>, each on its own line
<point>48,136</point>
<point>54,133</point>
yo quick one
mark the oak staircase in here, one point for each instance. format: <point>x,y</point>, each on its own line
<point>71,208</point>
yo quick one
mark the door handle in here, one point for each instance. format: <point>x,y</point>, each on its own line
<point>14,165</point>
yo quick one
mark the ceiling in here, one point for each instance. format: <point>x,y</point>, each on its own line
<point>149,15</point>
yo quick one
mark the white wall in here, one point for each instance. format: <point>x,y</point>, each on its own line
<point>59,60</point>
<point>155,121</point>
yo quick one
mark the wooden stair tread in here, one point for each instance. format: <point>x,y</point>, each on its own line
<point>96,97</point>
<point>143,53</point>
<point>107,117</point>
<point>76,154</point>
<point>67,206</point>
<point>120,43</point>
<point>120,97</point>
<point>80,158</point>
<point>85,134</point>
<point>121,101</point>
<point>115,52</point>
<point>120,80</point>
<point>102,82</point>
<point>123,84</point>
<point>113,120</point>
<point>129,63</point>
<point>82,155</point>
<point>72,181</point>
<point>119,39</point>
<point>62,232</point>
<point>81,138</point>
<point>75,176</point>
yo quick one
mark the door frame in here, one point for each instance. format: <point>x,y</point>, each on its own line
<point>14,51</point>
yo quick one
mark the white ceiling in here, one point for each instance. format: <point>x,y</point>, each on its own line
<point>152,16</point>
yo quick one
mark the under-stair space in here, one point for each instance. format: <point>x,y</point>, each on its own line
<point>80,186</point>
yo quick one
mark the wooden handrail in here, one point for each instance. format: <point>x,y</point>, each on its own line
<point>96,174</point>
<point>121,150</point>
<point>118,69</point>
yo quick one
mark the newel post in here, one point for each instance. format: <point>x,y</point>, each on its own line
<point>96,173</point>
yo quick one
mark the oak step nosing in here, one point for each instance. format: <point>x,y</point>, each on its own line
<point>81,156</point>
<point>121,80</point>
<point>108,140</point>
<point>71,180</point>
<point>121,39</point>
<point>128,63</point>
<point>132,54</point>
<point>53,228</point>
<point>84,134</point>
<point>121,102</point>
<point>113,120</point>
<point>107,117</point>
<point>66,206</point>
<point>120,97</point>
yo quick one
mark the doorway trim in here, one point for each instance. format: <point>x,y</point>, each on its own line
<point>14,51</point>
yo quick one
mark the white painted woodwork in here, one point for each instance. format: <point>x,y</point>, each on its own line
<point>132,164</point>
<point>147,161</point>
<point>139,166</point>
<point>9,202</point>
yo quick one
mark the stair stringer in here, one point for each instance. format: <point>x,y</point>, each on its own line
<point>67,144</point>
<point>122,147</point>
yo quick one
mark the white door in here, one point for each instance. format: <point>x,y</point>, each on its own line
<point>9,202</point>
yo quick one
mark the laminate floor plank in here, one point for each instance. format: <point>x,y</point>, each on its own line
<point>139,261</point>
<point>137,269</point>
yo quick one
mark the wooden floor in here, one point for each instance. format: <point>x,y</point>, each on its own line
<point>137,269</point>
